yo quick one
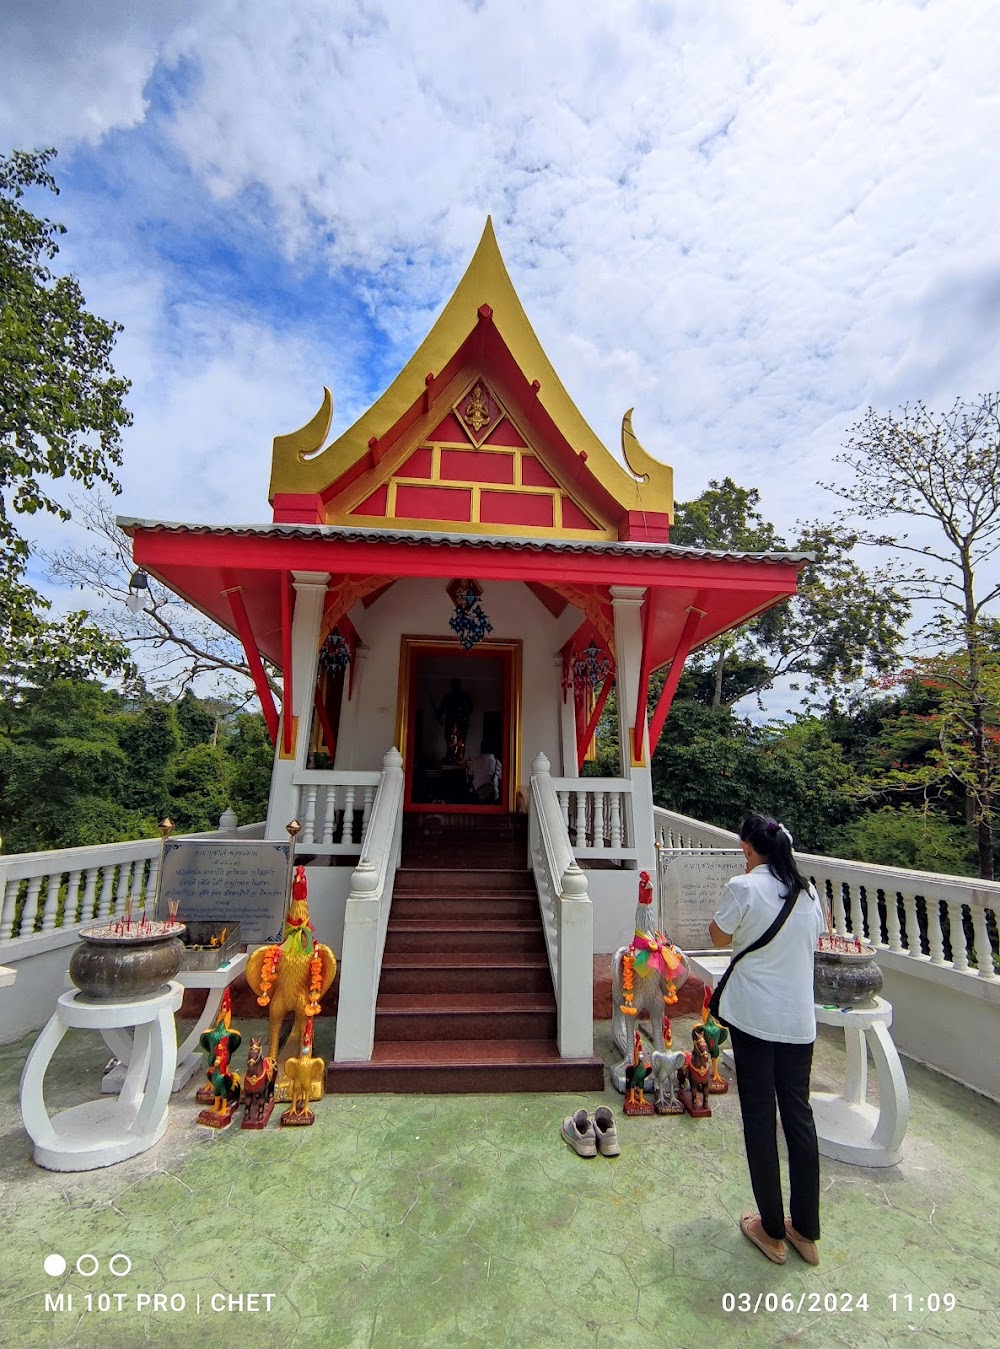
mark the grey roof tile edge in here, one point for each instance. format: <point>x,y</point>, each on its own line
<point>414,536</point>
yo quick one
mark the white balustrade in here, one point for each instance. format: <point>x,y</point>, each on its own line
<point>325,805</point>
<point>855,887</point>
<point>566,907</point>
<point>45,892</point>
<point>597,814</point>
<point>366,916</point>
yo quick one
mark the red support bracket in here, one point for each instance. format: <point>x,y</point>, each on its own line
<point>694,617</point>
<point>287,608</point>
<point>595,716</point>
<point>243,628</point>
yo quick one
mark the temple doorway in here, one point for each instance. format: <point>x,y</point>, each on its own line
<point>459,724</point>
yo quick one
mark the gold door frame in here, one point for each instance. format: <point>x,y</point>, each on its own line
<point>410,644</point>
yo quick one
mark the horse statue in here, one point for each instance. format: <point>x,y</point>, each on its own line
<point>258,1087</point>
<point>694,1074</point>
<point>645,977</point>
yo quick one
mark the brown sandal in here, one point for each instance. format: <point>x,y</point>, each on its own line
<point>807,1249</point>
<point>760,1238</point>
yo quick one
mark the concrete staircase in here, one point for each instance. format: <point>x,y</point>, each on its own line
<point>465,1002</point>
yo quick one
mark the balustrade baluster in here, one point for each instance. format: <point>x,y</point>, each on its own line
<point>839,916</point>
<point>615,831</point>
<point>329,812</point>
<point>599,819</point>
<point>124,886</point>
<point>152,880</point>
<point>564,807</point>
<point>935,937</point>
<point>892,921</point>
<point>913,946</point>
<point>959,947</point>
<point>984,947</point>
<point>30,911</point>
<point>581,820</point>
<point>136,891</point>
<point>72,898</point>
<point>51,902</point>
<point>107,889</point>
<point>309,814</point>
<point>89,891</point>
<point>8,908</point>
<point>369,798</point>
<point>347,833</point>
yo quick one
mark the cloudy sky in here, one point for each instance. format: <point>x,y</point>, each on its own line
<point>748,220</point>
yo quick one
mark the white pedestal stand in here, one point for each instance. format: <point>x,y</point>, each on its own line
<point>189,1055</point>
<point>101,1132</point>
<point>847,1127</point>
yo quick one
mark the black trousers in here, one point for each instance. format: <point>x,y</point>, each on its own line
<point>768,1071</point>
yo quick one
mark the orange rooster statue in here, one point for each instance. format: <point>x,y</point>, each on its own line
<point>291,979</point>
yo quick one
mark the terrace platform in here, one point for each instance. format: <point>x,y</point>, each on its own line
<point>466,1221</point>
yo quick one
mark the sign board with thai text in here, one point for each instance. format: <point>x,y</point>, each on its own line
<point>691,883</point>
<point>245,882</point>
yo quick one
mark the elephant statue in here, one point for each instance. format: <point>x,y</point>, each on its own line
<point>665,1066</point>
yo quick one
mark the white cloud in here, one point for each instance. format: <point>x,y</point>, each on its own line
<point>747,220</point>
<point>73,70</point>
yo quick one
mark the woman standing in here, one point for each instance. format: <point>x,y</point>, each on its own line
<point>767,1003</point>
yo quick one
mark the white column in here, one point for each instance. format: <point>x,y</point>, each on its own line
<point>567,724</point>
<point>310,596</point>
<point>627,602</point>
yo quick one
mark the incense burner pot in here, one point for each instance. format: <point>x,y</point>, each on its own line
<point>846,978</point>
<point>115,963</point>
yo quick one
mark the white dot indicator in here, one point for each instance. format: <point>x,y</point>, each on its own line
<point>54,1265</point>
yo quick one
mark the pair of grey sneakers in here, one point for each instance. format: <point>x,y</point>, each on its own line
<point>589,1134</point>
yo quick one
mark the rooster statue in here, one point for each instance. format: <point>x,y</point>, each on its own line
<point>716,1036</point>
<point>291,978</point>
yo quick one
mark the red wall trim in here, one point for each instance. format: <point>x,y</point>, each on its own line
<point>260,683</point>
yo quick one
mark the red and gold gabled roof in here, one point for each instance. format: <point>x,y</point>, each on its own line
<point>477,435</point>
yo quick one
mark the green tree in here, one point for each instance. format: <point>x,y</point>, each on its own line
<point>63,771</point>
<point>923,840</point>
<point>62,413</point>
<point>939,474</point>
<point>843,625</point>
<point>198,781</point>
<point>251,756</point>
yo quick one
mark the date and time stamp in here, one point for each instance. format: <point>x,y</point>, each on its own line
<point>814,1303</point>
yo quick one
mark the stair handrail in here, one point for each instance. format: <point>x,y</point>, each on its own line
<point>367,916</point>
<point>567,914</point>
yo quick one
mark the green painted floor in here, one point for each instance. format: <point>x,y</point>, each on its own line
<point>466,1221</point>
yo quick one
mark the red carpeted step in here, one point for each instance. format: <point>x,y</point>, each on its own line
<point>462,1067</point>
<point>471,1016</point>
<point>464,934</point>
<point>434,972</point>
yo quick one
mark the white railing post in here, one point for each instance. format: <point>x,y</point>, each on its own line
<point>7,909</point>
<point>576,966</point>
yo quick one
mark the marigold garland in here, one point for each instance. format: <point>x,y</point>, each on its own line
<point>312,1007</point>
<point>628,963</point>
<point>268,974</point>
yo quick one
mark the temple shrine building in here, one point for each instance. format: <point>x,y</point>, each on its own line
<point>450,590</point>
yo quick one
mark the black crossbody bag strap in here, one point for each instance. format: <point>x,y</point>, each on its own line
<point>763,940</point>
